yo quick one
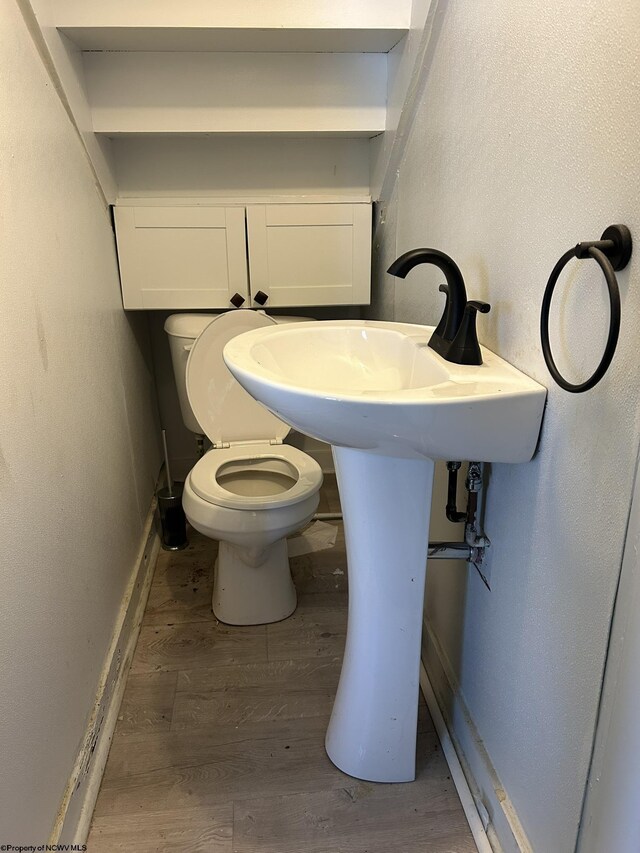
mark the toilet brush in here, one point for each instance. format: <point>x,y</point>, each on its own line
<point>172,519</point>
<point>167,467</point>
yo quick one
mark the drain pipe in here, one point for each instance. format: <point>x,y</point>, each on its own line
<point>452,494</point>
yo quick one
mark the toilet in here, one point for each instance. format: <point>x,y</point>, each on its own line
<point>250,491</point>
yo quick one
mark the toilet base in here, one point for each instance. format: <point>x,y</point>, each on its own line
<point>253,588</point>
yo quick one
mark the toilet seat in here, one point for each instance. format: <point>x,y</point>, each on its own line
<point>204,476</point>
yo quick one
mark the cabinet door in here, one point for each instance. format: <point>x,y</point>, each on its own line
<point>182,257</point>
<point>309,254</point>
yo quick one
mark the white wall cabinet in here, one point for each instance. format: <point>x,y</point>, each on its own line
<point>249,256</point>
<point>310,254</point>
<point>182,257</point>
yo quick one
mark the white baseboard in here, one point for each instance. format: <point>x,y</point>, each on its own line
<point>74,818</point>
<point>502,828</point>
<point>467,800</point>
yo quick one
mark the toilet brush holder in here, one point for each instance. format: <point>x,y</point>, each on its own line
<point>172,519</point>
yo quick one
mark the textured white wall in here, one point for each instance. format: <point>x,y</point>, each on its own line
<point>611,820</point>
<point>64,61</point>
<point>187,166</point>
<point>526,140</point>
<point>78,441</point>
<point>404,69</point>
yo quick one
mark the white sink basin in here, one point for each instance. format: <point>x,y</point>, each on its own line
<point>376,386</point>
<point>389,405</point>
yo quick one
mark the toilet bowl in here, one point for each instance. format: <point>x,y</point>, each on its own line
<point>250,491</point>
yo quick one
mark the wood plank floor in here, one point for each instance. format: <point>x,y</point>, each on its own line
<point>219,745</point>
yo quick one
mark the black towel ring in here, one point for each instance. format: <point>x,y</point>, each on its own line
<point>612,252</point>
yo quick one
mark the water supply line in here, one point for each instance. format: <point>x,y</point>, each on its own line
<point>473,534</point>
<point>475,539</point>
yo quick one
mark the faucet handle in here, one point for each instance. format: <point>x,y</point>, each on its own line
<point>439,330</point>
<point>476,305</point>
<point>465,348</point>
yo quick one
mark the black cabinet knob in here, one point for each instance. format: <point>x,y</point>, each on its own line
<point>261,297</point>
<point>237,300</point>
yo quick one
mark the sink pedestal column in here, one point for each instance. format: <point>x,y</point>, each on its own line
<point>386,504</point>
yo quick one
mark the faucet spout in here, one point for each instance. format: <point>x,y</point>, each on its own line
<point>457,291</point>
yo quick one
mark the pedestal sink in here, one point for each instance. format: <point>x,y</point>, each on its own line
<point>389,406</point>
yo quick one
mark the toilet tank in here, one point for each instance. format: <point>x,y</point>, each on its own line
<point>182,330</point>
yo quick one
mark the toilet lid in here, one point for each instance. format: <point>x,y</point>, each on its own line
<point>222,407</point>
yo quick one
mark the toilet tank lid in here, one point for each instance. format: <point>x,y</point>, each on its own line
<point>187,325</point>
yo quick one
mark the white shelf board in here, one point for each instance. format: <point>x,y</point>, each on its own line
<point>235,39</point>
<point>249,14</point>
<point>231,201</point>
<point>105,128</point>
